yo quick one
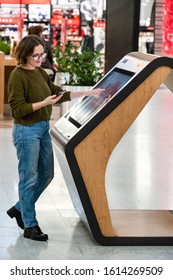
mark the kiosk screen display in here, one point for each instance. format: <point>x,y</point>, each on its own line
<point>90,104</point>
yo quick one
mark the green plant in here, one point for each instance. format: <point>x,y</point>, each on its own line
<point>85,69</point>
<point>5,47</point>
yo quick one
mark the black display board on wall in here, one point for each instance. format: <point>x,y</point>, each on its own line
<point>122,29</point>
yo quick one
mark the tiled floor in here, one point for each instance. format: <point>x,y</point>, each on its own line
<point>140,169</point>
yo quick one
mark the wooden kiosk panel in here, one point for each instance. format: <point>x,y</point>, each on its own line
<point>86,145</point>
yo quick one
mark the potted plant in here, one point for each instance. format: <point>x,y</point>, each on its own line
<point>5,47</point>
<point>80,70</point>
<point>83,68</point>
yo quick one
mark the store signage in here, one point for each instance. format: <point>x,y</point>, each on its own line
<point>36,1</point>
<point>167,47</point>
<point>99,24</point>
<point>8,20</point>
<point>64,33</point>
<point>25,2</point>
<point>99,36</point>
<point>70,22</point>
<point>10,1</point>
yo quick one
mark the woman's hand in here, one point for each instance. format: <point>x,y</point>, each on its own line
<point>50,100</point>
<point>93,92</point>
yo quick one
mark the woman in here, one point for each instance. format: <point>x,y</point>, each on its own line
<point>31,96</point>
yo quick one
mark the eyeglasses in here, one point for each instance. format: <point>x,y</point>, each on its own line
<point>38,56</point>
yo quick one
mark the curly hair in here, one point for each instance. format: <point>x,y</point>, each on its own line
<point>26,47</point>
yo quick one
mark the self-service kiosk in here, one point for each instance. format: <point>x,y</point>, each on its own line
<point>85,137</point>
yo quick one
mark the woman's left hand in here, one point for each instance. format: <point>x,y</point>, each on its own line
<point>94,92</point>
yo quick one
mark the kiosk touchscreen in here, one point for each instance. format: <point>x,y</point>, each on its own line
<point>85,137</point>
<point>112,83</point>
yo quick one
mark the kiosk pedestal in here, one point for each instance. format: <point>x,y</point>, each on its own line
<point>85,137</point>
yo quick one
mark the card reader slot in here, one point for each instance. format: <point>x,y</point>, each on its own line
<point>78,125</point>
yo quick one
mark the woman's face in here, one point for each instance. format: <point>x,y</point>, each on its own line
<point>37,57</point>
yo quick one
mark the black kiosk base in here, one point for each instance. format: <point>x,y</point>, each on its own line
<point>85,137</point>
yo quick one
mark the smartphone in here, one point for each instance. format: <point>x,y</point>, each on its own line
<point>60,92</point>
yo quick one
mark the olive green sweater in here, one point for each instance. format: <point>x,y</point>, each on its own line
<point>29,86</point>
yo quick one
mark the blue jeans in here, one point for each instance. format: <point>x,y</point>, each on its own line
<point>36,166</point>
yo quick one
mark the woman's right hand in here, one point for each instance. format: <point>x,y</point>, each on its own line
<point>52,99</point>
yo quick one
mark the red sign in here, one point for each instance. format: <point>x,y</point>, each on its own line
<point>168,28</point>
<point>26,2</point>
<point>8,20</point>
<point>64,33</point>
<point>20,28</point>
<point>70,22</point>
<point>99,24</point>
<point>10,1</point>
<point>36,2</point>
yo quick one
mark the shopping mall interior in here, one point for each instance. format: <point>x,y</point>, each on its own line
<point>138,175</point>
